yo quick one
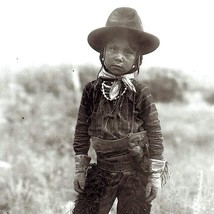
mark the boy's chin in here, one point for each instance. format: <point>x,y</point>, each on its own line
<point>117,72</point>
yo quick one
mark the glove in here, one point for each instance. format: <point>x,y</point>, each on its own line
<point>81,165</point>
<point>154,180</point>
<point>152,188</point>
<point>79,182</point>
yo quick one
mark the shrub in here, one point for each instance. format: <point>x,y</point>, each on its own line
<point>44,108</point>
<point>165,85</point>
<point>46,79</point>
<point>87,73</point>
<point>209,98</point>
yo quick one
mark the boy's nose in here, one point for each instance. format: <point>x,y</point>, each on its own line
<point>119,57</point>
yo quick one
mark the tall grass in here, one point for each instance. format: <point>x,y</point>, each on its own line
<point>37,135</point>
<point>189,150</point>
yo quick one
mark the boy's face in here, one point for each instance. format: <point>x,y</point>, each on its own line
<point>119,56</point>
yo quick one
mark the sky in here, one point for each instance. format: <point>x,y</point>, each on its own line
<point>36,32</point>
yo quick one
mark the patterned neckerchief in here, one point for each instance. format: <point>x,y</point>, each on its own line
<point>116,85</point>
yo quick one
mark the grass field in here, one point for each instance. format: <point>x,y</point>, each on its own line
<point>188,131</point>
<point>36,139</point>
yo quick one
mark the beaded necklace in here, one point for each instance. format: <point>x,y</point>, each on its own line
<point>106,91</point>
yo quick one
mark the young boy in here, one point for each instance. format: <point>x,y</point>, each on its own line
<point>117,115</point>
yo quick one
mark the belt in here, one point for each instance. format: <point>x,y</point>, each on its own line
<point>122,144</point>
<point>117,166</point>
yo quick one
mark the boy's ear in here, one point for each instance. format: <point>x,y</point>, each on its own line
<point>101,58</point>
<point>140,60</point>
<point>102,53</point>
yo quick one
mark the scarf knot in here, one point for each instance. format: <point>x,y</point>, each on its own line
<point>116,85</point>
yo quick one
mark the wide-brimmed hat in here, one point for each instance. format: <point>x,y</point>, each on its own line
<point>124,21</point>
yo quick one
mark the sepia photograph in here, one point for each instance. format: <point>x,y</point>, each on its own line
<point>106,107</point>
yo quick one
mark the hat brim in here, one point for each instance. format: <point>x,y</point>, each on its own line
<point>146,42</point>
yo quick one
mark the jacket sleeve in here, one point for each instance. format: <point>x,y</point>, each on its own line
<point>81,138</point>
<point>149,115</point>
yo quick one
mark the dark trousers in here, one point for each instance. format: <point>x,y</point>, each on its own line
<point>129,189</point>
<point>102,188</point>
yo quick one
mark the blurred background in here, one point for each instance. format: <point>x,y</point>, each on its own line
<point>45,61</point>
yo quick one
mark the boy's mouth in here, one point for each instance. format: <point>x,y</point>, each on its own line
<point>117,67</point>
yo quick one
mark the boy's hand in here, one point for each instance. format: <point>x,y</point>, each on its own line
<point>152,188</point>
<point>154,181</point>
<point>79,182</point>
<point>81,164</point>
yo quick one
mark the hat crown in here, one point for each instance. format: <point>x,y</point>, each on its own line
<point>125,17</point>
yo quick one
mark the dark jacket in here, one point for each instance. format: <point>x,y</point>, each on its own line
<point>131,113</point>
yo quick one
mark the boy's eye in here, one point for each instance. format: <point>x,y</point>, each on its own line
<point>112,48</point>
<point>129,51</point>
